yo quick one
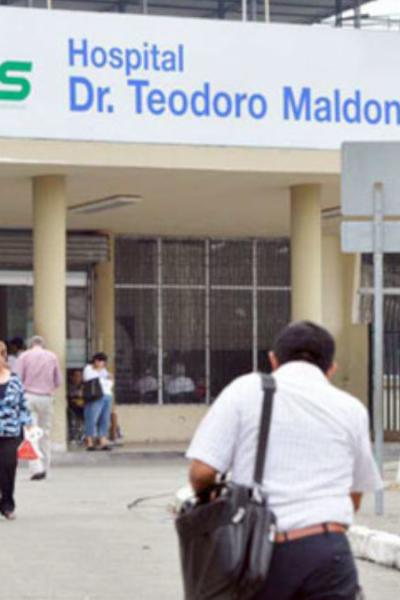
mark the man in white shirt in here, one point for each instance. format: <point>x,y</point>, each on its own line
<point>319,463</point>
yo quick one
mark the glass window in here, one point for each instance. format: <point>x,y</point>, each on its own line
<point>135,261</point>
<point>77,334</point>
<point>230,336</point>
<point>183,263</point>
<point>16,319</point>
<point>136,346</point>
<point>273,263</point>
<point>176,357</point>
<point>16,311</point>
<point>231,262</point>
<point>184,345</point>
<point>273,314</point>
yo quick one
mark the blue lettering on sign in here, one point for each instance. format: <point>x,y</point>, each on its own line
<point>81,94</point>
<point>338,107</point>
<point>84,96</point>
<point>169,95</point>
<point>146,57</point>
<point>203,102</point>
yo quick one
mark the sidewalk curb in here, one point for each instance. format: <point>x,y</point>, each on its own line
<point>376,546</point>
<point>82,458</point>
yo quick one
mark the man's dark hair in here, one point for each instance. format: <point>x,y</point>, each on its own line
<point>18,343</point>
<point>304,340</point>
<point>99,356</point>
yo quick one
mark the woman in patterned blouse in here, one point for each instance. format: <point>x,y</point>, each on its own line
<point>14,415</point>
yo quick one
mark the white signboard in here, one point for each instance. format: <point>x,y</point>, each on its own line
<point>365,165</point>
<point>359,237</point>
<point>126,78</point>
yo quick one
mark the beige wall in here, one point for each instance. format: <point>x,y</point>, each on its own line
<point>339,284</point>
<point>145,424</point>
<point>357,335</point>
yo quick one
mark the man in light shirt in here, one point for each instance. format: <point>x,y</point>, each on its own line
<point>40,373</point>
<point>319,463</point>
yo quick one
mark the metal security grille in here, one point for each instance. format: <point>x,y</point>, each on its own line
<point>391,413</point>
<point>391,404</point>
<point>16,249</point>
<point>193,314</point>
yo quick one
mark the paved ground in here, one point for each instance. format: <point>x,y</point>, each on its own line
<point>390,521</point>
<point>379,583</point>
<point>75,539</point>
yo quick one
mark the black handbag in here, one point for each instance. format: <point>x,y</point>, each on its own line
<point>226,539</point>
<point>92,390</point>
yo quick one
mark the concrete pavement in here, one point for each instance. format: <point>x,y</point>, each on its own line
<point>75,539</point>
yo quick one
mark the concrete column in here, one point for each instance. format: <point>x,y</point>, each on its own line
<point>104,307</point>
<point>340,285</point>
<point>49,299</point>
<point>357,333</point>
<point>306,253</point>
<point>334,309</point>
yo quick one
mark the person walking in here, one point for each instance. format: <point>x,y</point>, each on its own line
<point>40,374</point>
<point>319,463</point>
<point>14,415</point>
<point>97,412</point>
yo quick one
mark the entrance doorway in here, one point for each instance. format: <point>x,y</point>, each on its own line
<point>16,312</point>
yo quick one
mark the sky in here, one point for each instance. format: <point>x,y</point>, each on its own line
<point>383,8</point>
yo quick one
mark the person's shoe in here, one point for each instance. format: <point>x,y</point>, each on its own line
<point>9,515</point>
<point>90,449</point>
<point>38,476</point>
<point>106,448</point>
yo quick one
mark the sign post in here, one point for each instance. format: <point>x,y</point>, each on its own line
<point>378,198</point>
<point>371,188</point>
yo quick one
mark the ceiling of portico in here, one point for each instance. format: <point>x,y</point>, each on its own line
<point>178,199</point>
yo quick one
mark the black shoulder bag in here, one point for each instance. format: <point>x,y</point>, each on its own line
<point>92,390</point>
<point>226,541</point>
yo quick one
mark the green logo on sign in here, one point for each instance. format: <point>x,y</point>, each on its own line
<point>13,87</point>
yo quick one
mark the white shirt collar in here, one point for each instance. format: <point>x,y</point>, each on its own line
<point>300,368</point>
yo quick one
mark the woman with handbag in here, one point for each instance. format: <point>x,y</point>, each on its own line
<point>14,415</point>
<point>97,391</point>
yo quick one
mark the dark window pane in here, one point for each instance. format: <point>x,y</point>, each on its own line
<point>183,263</point>
<point>273,267</point>
<point>184,345</point>
<point>391,270</point>
<point>231,336</point>
<point>273,315</point>
<point>231,263</point>
<point>136,346</point>
<point>135,261</point>
<point>76,327</point>
<point>16,312</point>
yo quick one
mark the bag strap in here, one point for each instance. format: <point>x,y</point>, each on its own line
<point>269,386</point>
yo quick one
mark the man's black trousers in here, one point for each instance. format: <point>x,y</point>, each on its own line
<point>8,467</point>
<point>319,567</point>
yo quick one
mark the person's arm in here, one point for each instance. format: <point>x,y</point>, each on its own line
<point>25,417</point>
<point>19,367</point>
<point>57,374</point>
<point>88,373</point>
<point>366,477</point>
<point>201,475</point>
<point>212,448</point>
<point>356,498</point>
